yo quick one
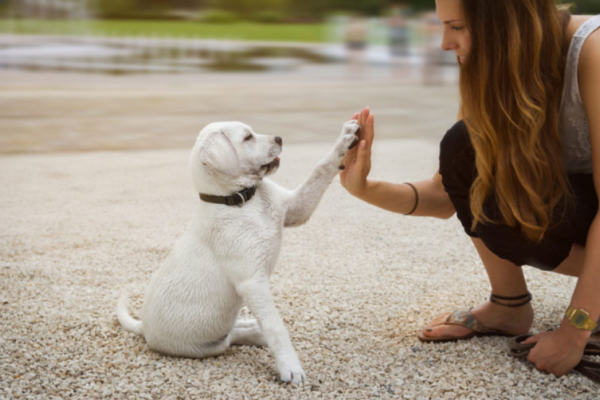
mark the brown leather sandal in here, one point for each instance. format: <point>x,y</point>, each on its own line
<point>465,318</point>
<point>586,367</point>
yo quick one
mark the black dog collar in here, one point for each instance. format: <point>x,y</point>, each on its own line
<point>237,199</point>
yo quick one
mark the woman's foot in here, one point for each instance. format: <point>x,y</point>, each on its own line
<point>509,320</point>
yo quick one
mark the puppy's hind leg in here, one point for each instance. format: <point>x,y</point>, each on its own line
<point>246,323</point>
<point>204,350</point>
<point>247,332</point>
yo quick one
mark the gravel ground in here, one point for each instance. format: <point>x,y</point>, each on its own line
<point>353,286</point>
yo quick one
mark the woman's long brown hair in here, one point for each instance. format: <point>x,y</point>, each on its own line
<point>511,85</point>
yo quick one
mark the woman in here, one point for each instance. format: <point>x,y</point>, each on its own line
<point>521,168</point>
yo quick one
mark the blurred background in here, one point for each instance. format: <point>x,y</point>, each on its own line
<point>79,75</point>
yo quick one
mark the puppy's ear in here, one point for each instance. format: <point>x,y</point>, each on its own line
<point>218,152</point>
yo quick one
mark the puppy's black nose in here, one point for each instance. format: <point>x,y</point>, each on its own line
<point>278,140</point>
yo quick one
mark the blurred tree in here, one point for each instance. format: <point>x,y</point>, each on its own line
<point>320,8</point>
<point>237,6</point>
<point>309,8</point>
<point>246,7</point>
<point>294,8</point>
<point>129,8</point>
<point>421,4</point>
<point>189,4</point>
<point>115,7</point>
<point>368,7</point>
<point>584,6</point>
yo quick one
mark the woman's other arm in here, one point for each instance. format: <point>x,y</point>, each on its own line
<point>558,352</point>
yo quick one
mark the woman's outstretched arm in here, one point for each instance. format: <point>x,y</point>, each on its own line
<point>433,201</point>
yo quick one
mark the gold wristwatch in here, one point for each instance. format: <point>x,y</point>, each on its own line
<point>580,319</point>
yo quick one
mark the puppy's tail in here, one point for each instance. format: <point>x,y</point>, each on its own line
<point>126,320</point>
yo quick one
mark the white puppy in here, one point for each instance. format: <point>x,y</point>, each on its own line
<point>228,251</point>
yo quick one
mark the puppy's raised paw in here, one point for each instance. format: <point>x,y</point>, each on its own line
<point>353,145</point>
<point>349,137</point>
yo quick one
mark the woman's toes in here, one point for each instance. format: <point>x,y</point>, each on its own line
<point>437,321</point>
<point>446,331</point>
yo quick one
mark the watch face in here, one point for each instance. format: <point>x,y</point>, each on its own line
<point>580,318</point>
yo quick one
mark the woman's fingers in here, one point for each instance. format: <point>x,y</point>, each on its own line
<point>532,340</point>
<point>347,160</point>
<point>357,162</point>
<point>364,114</point>
<point>369,130</point>
<point>367,127</point>
<point>363,159</point>
<point>361,118</point>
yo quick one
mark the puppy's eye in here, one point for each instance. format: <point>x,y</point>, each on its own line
<point>248,137</point>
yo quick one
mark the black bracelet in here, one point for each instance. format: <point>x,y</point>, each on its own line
<point>416,198</point>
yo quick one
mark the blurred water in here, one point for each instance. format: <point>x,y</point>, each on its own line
<point>52,9</point>
<point>143,55</point>
<point>171,55</point>
<point>84,90</point>
<point>396,42</point>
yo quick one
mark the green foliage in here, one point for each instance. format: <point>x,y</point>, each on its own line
<point>421,4</point>
<point>238,6</point>
<point>218,17</point>
<point>366,7</point>
<point>141,9</point>
<point>363,7</point>
<point>248,7</point>
<point>269,11</point>
<point>586,6</point>
<point>314,33</point>
<point>259,10</point>
<point>269,17</point>
<point>112,8</point>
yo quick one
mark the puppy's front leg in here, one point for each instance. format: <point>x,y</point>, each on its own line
<point>304,199</point>
<point>256,294</point>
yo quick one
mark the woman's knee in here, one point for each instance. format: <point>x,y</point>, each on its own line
<point>510,244</point>
<point>573,264</point>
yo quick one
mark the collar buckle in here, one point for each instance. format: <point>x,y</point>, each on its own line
<point>243,200</point>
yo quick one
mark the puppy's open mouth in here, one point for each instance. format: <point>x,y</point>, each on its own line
<point>272,165</point>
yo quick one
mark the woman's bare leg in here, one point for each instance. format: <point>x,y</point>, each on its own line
<point>507,280</point>
<point>574,263</point>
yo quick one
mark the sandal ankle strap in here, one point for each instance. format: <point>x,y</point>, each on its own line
<point>496,299</point>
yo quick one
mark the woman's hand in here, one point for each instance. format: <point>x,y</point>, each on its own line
<point>357,163</point>
<point>557,352</point>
